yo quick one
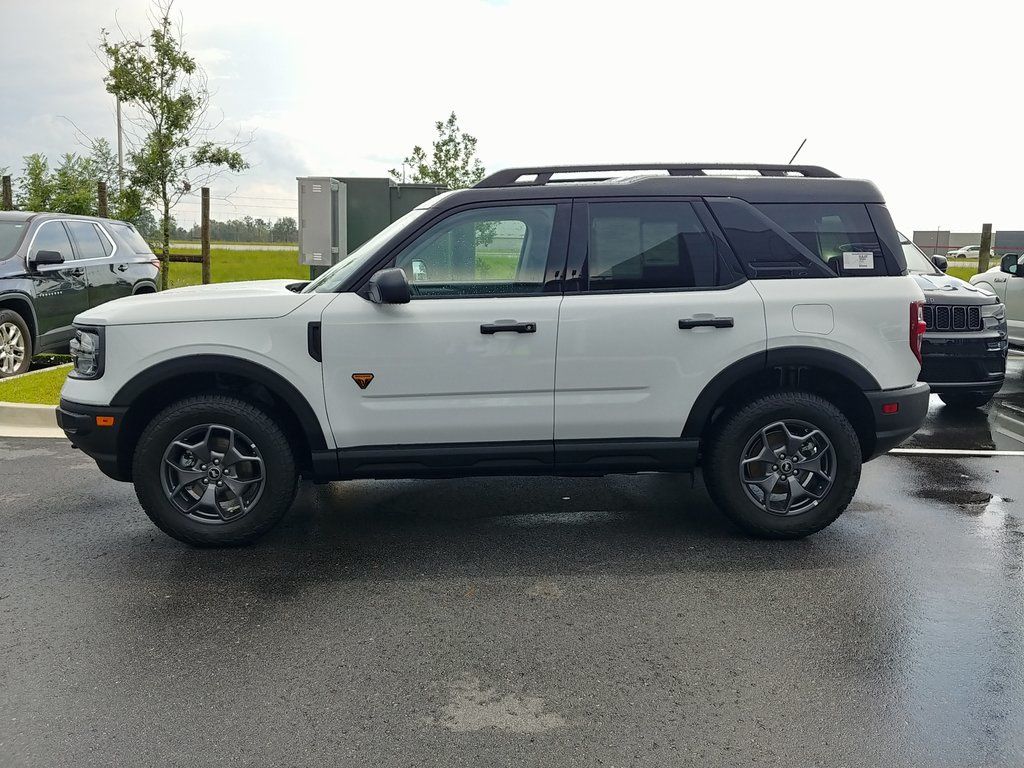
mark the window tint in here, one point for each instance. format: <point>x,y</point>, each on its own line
<point>10,236</point>
<point>51,236</point>
<point>501,250</point>
<point>131,238</point>
<point>108,247</point>
<point>87,239</point>
<point>649,245</point>
<point>759,244</point>
<point>841,235</point>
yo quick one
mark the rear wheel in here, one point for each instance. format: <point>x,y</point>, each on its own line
<point>214,471</point>
<point>966,399</point>
<point>784,466</point>
<point>15,344</point>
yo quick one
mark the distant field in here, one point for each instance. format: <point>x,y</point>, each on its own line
<point>231,266</point>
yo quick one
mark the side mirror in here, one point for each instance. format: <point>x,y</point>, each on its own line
<point>419,270</point>
<point>390,286</point>
<point>45,258</point>
<point>1011,264</point>
<point>941,262</point>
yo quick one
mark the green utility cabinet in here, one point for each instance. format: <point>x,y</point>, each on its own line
<point>337,214</point>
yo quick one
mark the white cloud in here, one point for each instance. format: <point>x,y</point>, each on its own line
<point>919,97</point>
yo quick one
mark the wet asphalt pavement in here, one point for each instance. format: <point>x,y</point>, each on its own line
<point>553,622</point>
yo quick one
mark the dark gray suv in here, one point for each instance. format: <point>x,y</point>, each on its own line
<point>54,266</point>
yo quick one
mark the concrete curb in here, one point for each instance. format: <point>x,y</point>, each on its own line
<point>29,419</point>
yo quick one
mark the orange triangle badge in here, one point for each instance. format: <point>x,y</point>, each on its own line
<point>362,379</point>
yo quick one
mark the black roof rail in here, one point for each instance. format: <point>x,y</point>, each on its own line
<point>541,175</point>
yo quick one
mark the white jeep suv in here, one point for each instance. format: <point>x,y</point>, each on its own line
<point>549,321</point>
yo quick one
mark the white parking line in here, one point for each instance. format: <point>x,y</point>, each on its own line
<point>952,452</point>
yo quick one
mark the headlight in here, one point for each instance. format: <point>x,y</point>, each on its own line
<point>997,310</point>
<point>87,353</point>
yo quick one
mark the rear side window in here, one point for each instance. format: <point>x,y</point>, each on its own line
<point>766,250</point>
<point>89,241</point>
<point>130,237</point>
<point>840,234</point>
<point>650,246</point>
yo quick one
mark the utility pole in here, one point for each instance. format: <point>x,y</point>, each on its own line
<point>101,198</point>
<point>986,247</point>
<point>120,151</point>
<point>8,197</point>
<point>204,230</point>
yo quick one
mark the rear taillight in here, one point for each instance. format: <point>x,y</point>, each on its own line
<point>917,327</point>
<point>155,262</point>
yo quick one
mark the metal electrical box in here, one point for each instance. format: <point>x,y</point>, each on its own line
<point>322,221</point>
<point>338,214</point>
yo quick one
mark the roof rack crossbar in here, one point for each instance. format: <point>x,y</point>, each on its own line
<point>541,175</point>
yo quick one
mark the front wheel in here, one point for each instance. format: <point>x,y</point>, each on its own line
<point>15,344</point>
<point>213,470</point>
<point>784,466</point>
<point>966,399</point>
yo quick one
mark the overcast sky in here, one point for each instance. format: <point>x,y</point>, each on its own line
<point>922,98</point>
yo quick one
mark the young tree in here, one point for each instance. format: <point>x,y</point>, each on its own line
<point>70,188</point>
<point>125,201</point>
<point>165,94</point>
<point>453,161</point>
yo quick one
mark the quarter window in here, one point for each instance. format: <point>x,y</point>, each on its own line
<point>51,236</point>
<point>840,234</point>
<point>650,246</point>
<point>487,251</point>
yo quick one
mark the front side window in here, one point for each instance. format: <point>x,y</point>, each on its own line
<point>51,236</point>
<point>481,252</point>
<point>659,245</point>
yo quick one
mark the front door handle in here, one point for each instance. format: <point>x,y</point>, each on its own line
<point>706,322</point>
<point>508,327</point>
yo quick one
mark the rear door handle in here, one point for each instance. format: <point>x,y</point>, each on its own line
<point>122,267</point>
<point>707,322</point>
<point>508,327</point>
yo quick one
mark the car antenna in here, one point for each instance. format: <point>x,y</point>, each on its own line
<point>797,152</point>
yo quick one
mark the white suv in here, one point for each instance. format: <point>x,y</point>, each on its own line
<point>565,321</point>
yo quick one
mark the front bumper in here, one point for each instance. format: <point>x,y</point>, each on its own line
<point>909,407</point>
<point>79,423</point>
<point>973,362</point>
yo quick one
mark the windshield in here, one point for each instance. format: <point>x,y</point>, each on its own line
<point>917,262</point>
<point>332,279</point>
<point>10,237</point>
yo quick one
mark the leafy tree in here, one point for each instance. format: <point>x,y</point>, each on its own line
<point>70,188</point>
<point>285,230</point>
<point>453,161</point>
<point>166,99</point>
<point>124,200</point>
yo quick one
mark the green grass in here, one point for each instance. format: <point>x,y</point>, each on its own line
<point>43,388</point>
<point>964,273</point>
<point>231,266</point>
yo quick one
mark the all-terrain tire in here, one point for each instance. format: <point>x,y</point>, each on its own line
<point>278,462</point>
<point>730,438</point>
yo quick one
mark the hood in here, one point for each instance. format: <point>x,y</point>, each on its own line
<point>946,289</point>
<point>256,300</point>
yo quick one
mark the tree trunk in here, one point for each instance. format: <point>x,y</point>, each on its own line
<point>165,244</point>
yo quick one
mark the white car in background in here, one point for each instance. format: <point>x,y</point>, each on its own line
<point>966,252</point>
<point>1007,282</point>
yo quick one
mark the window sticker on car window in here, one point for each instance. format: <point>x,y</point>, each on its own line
<point>858,260</point>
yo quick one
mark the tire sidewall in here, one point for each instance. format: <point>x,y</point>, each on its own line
<point>278,462</point>
<point>728,447</point>
<point>10,316</point>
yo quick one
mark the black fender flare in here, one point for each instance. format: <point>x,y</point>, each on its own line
<point>26,300</point>
<point>752,365</point>
<point>235,366</point>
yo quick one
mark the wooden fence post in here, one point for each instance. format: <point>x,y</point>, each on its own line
<point>7,204</point>
<point>101,197</point>
<point>986,247</point>
<point>205,234</point>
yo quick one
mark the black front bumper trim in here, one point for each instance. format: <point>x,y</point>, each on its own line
<point>100,443</point>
